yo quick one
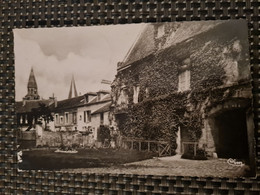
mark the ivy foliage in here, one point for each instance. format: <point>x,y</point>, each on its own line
<point>162,110</point>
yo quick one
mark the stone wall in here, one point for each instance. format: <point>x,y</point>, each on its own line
<point>27,135</point>
<point>67,139</point>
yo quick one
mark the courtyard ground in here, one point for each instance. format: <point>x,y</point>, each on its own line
<point>174,166</point>
<point>48,159</point>
<point>122,161</point>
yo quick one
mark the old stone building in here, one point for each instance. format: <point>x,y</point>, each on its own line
<point>188,83</point>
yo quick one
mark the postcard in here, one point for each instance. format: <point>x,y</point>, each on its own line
<point>151,99</point>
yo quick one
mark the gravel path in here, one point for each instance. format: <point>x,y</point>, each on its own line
<point>173,166</point>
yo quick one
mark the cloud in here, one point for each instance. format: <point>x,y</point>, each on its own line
<point>89,53</point>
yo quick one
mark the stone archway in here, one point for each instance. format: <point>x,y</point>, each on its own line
<point>232,128</point>
<point>231,139</point>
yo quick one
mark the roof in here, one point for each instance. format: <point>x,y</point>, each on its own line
<point>106,98</point>
<point>78,102</point>
<point>91,93</point>
<point>159,36</point>
<point>105,108</point>
<point>104,91</point>
<point>28,105</point>
<point>140,49</point>
<point>69,103</point>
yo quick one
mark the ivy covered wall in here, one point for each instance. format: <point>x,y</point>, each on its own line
<point>218,66</point>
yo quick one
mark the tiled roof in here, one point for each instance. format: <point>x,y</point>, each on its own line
<point>141,48</point>
<point>78,101</point>
<point>69,103</point>
<point>105,108</point>
<point>22,107</point>
<point>149,42</point>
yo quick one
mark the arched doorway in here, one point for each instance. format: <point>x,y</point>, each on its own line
<point>232,129</point>
<point>232,139</point>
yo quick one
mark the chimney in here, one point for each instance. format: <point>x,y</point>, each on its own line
<point>55,102</point>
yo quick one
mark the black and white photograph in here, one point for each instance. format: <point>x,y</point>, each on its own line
<point>171,98</point>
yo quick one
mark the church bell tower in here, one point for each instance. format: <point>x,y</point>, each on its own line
<point>32,89</point>
<point>73,90</point>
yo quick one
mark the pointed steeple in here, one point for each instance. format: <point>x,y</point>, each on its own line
<point>32,89</point>
<point>32,81</point>
<point>72,88</point>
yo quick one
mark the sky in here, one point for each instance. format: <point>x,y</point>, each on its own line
<point>89,53</point>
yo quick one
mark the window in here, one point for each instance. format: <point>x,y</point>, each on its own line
<point>61,120</point>
<point>102,118</point>
<point>74,117</point>
<point>89,115</point>
<point>85,117</point>
<point>136,94</point>
<point>21,119</point>
<point>66,117</point>
<point>123,97</point>
<point>57,119</point>
<point>26,119</point>
<point>184,81</point>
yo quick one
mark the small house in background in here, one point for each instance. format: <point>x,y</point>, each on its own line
<point>78,119</point>
<point>65,114</point>
<point>75,113</point>
<point>93,104</point>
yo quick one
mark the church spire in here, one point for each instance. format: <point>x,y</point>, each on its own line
<point>72,88</point>
<point>32,89</point>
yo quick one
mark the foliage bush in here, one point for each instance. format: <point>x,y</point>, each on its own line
<point>104,133</point>
<point>200,155</point>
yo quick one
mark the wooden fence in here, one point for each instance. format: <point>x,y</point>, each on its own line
<point>189,146</point>
<point>163,148</point>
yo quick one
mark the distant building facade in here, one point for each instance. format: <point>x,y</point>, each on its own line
<point>94,112</point>
<point>26,115</point>
<point>190,85</point>
<point>84,113</point>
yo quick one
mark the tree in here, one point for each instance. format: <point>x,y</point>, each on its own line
<point>41,112</point>
<point>44,112</point>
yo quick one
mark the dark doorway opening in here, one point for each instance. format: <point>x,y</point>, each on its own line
<point>232,139</point>
<point>121,119</point>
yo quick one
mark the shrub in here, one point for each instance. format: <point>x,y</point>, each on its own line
<point>200,155</point>
<point>104,133</point>
<point>75,146</point>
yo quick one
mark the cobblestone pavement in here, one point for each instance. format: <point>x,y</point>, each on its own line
<point>173,166</point>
